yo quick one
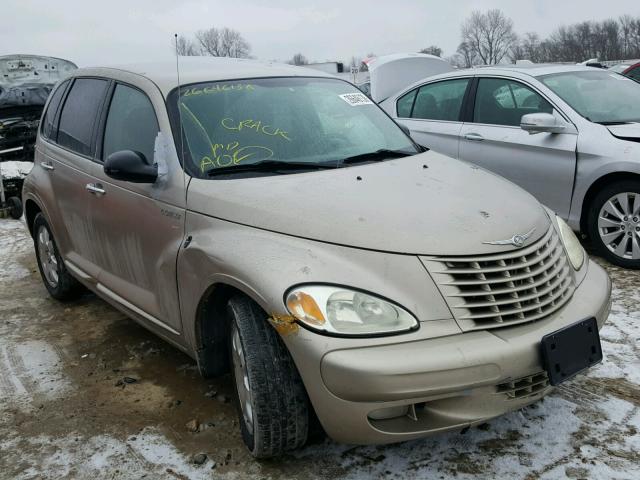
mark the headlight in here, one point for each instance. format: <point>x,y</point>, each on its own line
<point>571,244</point>
<point>342,311</point>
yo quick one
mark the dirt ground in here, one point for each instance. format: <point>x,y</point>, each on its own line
<point>67,411</point>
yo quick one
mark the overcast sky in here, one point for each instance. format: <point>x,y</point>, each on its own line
<point>115,31</point>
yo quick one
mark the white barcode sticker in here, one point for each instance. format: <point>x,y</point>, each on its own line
<point>356,99</point>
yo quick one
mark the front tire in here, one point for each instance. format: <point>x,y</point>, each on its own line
<point>614,223</point>
<point>57,279</point>
<point>272,402</point>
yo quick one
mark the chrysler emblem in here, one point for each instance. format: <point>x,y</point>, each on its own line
<point>517,240</point>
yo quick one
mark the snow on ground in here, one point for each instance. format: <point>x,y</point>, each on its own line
<point>15,169</point>
<point>62,414</point>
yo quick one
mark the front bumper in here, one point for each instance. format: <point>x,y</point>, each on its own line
<point>361,392</point>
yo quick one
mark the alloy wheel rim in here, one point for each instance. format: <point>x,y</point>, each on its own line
<point>48,259</point>
<point>245,395</point>
<point>619,225</point>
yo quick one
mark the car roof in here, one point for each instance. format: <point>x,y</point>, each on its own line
<point>533,70</point>
<point>203,69</point>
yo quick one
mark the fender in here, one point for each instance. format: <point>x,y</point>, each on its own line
<point>587,177</point>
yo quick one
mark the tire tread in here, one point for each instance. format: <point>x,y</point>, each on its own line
<point>281,414</point>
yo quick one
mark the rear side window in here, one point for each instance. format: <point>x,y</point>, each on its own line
<point>48,126</point>
<point>79,114</point>
<point>635,74</point>
<point>440,101</point>
<point>405,104</point>
<point>131,124</point>
<point>504,102</point>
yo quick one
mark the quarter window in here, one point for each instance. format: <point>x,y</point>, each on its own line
<point>405,104</point>
<point>131,124</point>
<point>504,102</point>
<point>48,129</point>
<point>440,101</point>
<point>79,114</point>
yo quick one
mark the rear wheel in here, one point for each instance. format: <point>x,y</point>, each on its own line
<point>15,207</point>
<point>58,281</point>
<point>271,399</point>
<point>614,223</point>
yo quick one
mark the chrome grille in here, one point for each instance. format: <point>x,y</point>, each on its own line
<point>489,291</point>
<point>524,387</point>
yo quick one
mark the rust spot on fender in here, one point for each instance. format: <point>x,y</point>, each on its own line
<point>284,324</point>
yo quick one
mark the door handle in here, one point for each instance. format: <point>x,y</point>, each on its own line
<point>95,188</point>
<point>47,165</point>
<point>474,137</point>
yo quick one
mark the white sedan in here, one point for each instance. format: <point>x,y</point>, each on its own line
<point>567,134</point>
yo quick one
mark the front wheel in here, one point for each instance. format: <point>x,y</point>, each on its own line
<point>272,403</point>
<point>614,223</point>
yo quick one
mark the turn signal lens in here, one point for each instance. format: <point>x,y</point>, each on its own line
<point>304,308</point>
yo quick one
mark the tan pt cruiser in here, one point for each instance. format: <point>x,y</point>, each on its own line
<point>272,221</point>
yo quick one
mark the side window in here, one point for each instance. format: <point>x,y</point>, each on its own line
<point>405,104</point>
<point>131,124</point>
<point>504,102</point>
<point>635,74</point>
<point>441,100</point>
<point>79,114</point>
<point>52,109</point>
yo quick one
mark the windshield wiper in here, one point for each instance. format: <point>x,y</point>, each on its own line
<point>269,166</point>
<point>377,156</point>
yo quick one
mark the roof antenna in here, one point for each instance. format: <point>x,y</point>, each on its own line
<point>182,157</point>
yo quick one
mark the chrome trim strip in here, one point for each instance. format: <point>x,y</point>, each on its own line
<point>134,309</point>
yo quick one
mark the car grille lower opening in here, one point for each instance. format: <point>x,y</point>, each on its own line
<point>497,290</point>
<point>525,386</point>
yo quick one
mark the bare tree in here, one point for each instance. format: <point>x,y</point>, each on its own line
<point>298,59</point>
<point>531,47</point>
<point>467,56</point>
<point>233,44</point>
<point>432,50</point>
<point>224,42</point>
<point>186,47</point>
<point>626,29</point>
<point>489,35</point>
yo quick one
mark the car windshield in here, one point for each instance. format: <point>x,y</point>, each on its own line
<point>599,96</point>
<point>286,121</point>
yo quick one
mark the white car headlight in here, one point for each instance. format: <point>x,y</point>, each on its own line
<point>341,311</point>
<point>571,244</point>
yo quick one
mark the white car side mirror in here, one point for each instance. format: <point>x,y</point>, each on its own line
<point>541,123</point>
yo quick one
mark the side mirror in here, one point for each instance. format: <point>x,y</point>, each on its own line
<point>541,123</point>
<point>130,166</point>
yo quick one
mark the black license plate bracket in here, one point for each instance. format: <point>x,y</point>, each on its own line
<point>571,350</point>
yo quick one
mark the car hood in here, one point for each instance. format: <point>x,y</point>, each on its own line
<point>629,132</point>
<point>427,204</point>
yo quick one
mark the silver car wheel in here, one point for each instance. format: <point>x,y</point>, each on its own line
<point>47,256</point>
<point>619,225</point>
<point>245,396</point>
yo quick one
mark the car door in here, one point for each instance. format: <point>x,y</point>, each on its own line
<point>543,164</point>
<point>68,151</point>
<point>139,227</point>
<point>432,113</point>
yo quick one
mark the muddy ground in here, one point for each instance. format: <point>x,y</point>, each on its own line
<point>67,411</point>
